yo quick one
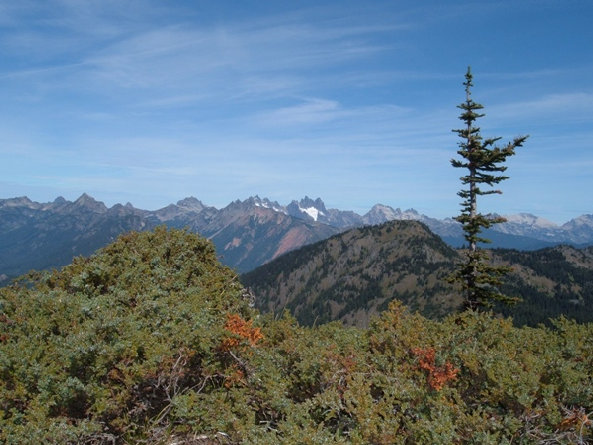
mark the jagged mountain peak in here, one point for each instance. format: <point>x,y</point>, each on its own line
<point>580,221</point>
<point>409,214</point>
<point>267,204</point>
<point>382,207</point>
<point>90,203</point>
<point>381,213</point>
<point>21,201</point>
<point>318,203</point>
<point>308,208</point>
<point>251,205</point>
<point>191,203</point>
<point>57,203</point>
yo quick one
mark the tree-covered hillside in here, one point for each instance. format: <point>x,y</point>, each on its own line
<point>551,281</point>
<point>354,275</point>
<point>152,341</point>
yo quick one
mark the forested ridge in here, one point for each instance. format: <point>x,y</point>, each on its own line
<point>354,275</point>
<point>151,340</point>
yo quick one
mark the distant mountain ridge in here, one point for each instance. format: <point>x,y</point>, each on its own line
<point>246,233</point>
<point>521,231</point>
<point>43,235</point>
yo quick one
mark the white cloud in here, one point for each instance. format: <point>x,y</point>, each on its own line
<point>312,111</point>
<point>565,106</point>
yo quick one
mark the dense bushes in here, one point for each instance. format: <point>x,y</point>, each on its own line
<point>102,348</point>
<point>151,341</point>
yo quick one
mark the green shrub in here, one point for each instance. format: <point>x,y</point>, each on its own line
<point>151,341</point>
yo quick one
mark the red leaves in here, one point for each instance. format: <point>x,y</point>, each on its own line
<point>242,330</point>
<point>576,418</point>
<point>437,375</point>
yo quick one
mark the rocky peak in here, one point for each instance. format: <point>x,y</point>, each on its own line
<point>21,201</point>
<point>88,202</point>
<point>527,219</point>
<point>408,215</point>
<point>191,203</point>
<point>581,221</point>
<point>318,204</point>
<point>307,209</point>
<point>266,203</point>
<point>381,213</point>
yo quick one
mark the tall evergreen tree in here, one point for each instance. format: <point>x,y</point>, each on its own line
<point>483,160</point>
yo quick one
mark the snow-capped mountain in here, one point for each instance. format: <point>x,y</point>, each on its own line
<point>521,231</point>
<point>380,213</point>
<point>315,210</point>
<point>526,224</point>
<point>580,229</point>
<point>306,208</point>
<point>267,204</point>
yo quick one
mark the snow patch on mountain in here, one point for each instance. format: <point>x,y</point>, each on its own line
<point>579,222</point>
<point>528,219</point>
<point>306,208</point>
<point>312,212</point>
<point>267,204</point>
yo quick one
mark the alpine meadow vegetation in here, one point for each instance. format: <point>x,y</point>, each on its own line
<point>483,161</point>
<point>151,340</point>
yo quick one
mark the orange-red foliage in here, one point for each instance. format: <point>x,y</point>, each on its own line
<point>242,329</point>
<point>576,418</point>
<point>437,375</point>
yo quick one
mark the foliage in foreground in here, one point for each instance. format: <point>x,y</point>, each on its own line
<point>151,341</point>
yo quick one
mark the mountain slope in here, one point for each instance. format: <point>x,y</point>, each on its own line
<point>48,235</point>
<point>552,281</point>
<point>354,275</point>
<point>39,236</point>
<point>248,235</point>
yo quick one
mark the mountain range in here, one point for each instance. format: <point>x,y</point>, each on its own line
<point>246,233</point>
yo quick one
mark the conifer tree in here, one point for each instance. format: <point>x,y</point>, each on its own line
<point>483,160</point>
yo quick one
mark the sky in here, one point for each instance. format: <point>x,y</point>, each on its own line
<point>149,102</point>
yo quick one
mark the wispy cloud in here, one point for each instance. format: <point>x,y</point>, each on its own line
<point>234,59</point>
<point>312,111</point>
<point>573,105</point>
<point>340,99</point>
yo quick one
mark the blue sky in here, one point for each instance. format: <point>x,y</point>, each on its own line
<point>151,101</point>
